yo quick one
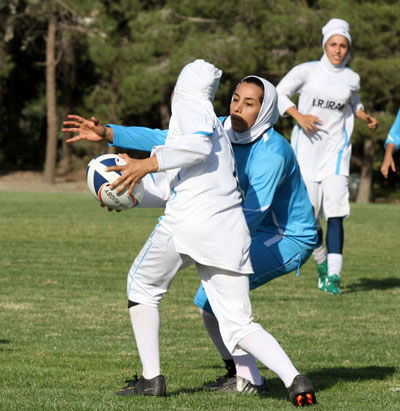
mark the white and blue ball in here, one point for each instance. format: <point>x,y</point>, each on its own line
<point>99,180</point>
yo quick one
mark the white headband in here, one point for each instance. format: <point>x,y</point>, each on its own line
<point>333,27</point>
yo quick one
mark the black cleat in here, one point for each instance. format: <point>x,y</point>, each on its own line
<point>220,382</point>
<point>154,387</point>
<point>237,384</point>
<point>229,378</point>
<point>301,392</point>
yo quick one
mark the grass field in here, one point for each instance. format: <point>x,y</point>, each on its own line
<point>66,340</point>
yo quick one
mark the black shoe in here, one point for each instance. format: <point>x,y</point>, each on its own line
<point>301,392</point>
<point>154,387</point>
<point>222,381</point>
<point>237,384</point>
<point>227,379</point>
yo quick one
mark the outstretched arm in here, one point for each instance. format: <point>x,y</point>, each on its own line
<point>90,130</point>
<point>136,138</point>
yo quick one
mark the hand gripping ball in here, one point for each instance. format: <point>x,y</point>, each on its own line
<point>99,180</point>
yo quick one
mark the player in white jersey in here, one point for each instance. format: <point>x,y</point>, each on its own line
<point>328,101</point>
<point>273,254</point>
<point>392,144</point>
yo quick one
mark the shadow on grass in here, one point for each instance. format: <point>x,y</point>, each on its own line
<point>326,377</point>
<point>322,379</point>
<point>3,349</point>
<point>366,284</point>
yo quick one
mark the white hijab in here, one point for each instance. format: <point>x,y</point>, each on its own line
<point>267,117</point>
<point>333,27</point>
<point>198,80</point>
<point>194,92</point>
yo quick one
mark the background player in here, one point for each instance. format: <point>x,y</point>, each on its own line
<point>321,139</point>
<point>392,144</point>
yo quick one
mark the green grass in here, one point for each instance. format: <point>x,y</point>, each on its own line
<point>65,336</point>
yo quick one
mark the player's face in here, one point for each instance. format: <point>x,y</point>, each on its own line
<point>245,106</point>
<point>336,49</point>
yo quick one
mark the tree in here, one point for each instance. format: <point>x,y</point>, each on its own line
<point>51,146</point>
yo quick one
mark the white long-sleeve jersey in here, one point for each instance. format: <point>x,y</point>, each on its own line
<point>331,94</point>
<point>203,212</point>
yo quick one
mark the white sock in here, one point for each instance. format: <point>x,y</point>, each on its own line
<point>335,263</point>
<point>146,327</point>
<point>246,367</point>
<point>212,327</point>
<point>319,254</point>
<point>266,349</point>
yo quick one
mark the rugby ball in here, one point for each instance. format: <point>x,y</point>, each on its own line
<point>99,180</point>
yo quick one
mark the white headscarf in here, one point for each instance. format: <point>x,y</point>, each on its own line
<point>191,105</point>
<point>198,80</point>
<point>333,27</point>
<point>267,117</point>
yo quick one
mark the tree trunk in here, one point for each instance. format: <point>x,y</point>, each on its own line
<point>164,111</point>
<point>68,82</point>
<point>364,194</point>
<point>113,103</point>
<point>51,146</point>
<point>165,116</point>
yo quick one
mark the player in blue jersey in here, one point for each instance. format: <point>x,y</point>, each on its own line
<point>276,207</point>
<point>392,144</point>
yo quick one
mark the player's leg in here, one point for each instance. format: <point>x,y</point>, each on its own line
<point>148,280</point>
<point>244,376</point>
<point>315,194</point>
<point>229,298</point>
<point>336,208</point>
<point>271,257</point>
<point>212,327</point>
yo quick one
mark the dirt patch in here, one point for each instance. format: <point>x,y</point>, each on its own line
<point>32,181</point>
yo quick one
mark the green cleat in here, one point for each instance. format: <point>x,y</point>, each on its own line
<point>322,275</point>
<point>333,284</point>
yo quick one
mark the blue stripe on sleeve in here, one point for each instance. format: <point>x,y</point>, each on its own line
<point>204,133</point>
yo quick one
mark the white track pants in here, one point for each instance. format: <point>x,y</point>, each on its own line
<point>155,267</point>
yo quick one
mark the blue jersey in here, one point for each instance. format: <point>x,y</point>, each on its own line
<point>394,133</point>
<point>276,201</point>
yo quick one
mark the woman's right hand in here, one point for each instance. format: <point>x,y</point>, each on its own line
<point>90,130</point>
<point>309,123</point>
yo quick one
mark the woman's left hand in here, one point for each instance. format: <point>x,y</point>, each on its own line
<point>372,122</point>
